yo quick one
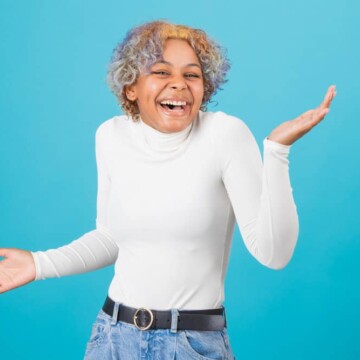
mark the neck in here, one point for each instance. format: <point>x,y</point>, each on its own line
<point>164,142</point>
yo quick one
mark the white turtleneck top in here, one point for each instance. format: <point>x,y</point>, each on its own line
<point>167,206</point>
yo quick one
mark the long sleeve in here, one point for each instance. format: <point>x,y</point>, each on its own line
<point>261,195</point>
<point>93,250</point>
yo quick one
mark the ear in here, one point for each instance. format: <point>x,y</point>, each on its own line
<point>130,91</point>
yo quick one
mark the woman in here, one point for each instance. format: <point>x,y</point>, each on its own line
<point>172,181</point>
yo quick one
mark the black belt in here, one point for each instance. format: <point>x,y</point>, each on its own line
<point>144,319</point>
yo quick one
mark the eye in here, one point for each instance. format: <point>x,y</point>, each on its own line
<point>192,75</point>
<point>160,73</point>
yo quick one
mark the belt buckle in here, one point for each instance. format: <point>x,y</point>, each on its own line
<point>136,317</point>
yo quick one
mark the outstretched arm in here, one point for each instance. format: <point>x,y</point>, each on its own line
<point>261,196</point>
<point>260,191</point>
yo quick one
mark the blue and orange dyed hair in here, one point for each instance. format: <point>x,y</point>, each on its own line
<point>143,46</point>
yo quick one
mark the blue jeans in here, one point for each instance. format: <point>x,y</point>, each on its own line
<point>112,340</point>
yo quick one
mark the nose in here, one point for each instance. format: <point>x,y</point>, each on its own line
<point>178,82</point>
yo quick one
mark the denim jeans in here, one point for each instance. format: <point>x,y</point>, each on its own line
<point>112,340</point>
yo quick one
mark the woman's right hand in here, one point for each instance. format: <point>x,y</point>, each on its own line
<point>17,269</point>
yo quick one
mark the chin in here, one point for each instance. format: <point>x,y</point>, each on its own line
<point>176,128</point>
<point>176,125</point>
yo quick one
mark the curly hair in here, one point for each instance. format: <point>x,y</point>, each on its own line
<point>143,46</point>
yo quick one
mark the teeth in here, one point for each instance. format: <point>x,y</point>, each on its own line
<point>175,103</point>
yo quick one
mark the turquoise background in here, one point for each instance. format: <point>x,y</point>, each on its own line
<point>53,96</point>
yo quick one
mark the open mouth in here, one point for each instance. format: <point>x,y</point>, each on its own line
<point>175,107</point>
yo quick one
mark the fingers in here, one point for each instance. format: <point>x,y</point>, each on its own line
<point>4,252</point>
<point>310,118</point>
<point>330,94</point>
<point>319,114</point>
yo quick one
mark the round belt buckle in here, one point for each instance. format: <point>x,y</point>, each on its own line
<point>136,317</point>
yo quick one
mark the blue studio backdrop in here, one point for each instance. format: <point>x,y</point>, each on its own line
<point>53,96</point>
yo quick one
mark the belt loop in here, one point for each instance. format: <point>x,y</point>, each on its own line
<point>224,315</point>
<point>174,320</point>
<point>115,313</point>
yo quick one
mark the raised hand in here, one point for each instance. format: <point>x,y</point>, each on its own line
<point>290,131</point>
<point>17,269</point>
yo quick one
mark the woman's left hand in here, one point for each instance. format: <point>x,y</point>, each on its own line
<point>290,131</point>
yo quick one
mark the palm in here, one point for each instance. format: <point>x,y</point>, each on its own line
<point>290,131</point>
<point>16,269</point>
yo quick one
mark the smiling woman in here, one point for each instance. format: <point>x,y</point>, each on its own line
<point>145,46</point>
<point>172,181</point>
<point>170,96</point>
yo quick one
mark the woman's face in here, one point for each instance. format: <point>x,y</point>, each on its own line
<point>170,97</point>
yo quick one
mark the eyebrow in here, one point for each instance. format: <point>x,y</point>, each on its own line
<point>168,63</point>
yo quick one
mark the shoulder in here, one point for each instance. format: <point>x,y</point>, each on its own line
<point>110,126</point>
<point>112,123</point>
<point>223,125</point>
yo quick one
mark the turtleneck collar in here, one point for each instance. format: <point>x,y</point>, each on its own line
<point>164,142</point>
